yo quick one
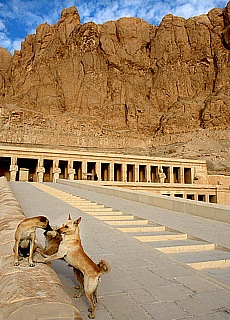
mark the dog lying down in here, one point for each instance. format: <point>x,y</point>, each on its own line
<point>88,273</point>
<point>25,238</point>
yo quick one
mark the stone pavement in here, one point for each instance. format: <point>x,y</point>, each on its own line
<point>163,263</point>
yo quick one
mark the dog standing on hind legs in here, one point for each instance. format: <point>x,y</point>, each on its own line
<point>71,250</point>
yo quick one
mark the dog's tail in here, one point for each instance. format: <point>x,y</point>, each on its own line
<point>104,266</point>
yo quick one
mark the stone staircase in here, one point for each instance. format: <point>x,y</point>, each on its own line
<point>194,252</point>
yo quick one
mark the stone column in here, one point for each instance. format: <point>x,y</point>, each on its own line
<point>124,172</point>
<point>106,174</point>
<point>111,171</point>
<point>40,174</point>
<point>161,175</point>
<point>84,170</point>
<point>98,170</point>
<point>171,178</point>
<point>148,177</point>
<point>192,175</point>
<point>182,175</point>
<point>40,170</point>
<point>56,170</point>
<point>71,170</point>
<point>157,174</point>
<point>13,169</point>
<point>136,173</point>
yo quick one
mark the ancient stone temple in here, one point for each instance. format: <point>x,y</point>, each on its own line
<point>181,178</point>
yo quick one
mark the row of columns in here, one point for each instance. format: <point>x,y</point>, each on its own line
<point>40,171</point>
<point>123,171</point>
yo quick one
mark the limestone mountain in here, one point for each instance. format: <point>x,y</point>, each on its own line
<point>125,85</point>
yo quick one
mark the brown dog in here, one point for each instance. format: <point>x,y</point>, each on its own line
<point>52,242</point>
<point>73,253</point>
<point>25,236</point>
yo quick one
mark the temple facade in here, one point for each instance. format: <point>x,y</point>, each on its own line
<point>182,178</point>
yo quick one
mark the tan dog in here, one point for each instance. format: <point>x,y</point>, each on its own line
<point>73,253</point>
<point>52,242</point>
<point>25,236</point>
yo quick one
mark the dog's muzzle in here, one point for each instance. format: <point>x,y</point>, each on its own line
<point>47,228</point>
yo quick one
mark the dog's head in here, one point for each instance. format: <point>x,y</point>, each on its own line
<point>70,226</point>
<point>50,234</point>
<point>43,223</point>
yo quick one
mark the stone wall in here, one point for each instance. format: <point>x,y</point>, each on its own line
<point>25,127</point>
<point>27,293</point>
<point>211,211</point>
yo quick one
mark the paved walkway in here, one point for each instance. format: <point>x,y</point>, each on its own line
<point>163,265</point>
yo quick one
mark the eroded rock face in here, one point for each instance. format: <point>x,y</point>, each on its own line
<point>5,72</point>
<point>119,84</point>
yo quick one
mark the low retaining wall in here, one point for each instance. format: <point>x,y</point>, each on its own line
<point>25,292</point>
<point>203,209</point>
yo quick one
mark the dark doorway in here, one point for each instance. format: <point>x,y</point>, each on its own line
<point>201,197</point>
<point>166,171</point>
<point>117,172</point>
<point>212,198</point>
<point>153,173</point>
<point>187,175</point>
<point>31,165</point>
<point>77,165</point>
<point>63,165</point>
<point>142,173</point>
<point>191,196</point>
<point>48,175</point>
<point>91,170</point>
<point>176,175</point>
<point>5,167</point>
<point>130,172</point>
<point>105,171</point>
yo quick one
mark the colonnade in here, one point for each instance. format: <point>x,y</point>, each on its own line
<point>49,170</point>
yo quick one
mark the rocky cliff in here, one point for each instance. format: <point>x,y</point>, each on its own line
<point>124,85</point>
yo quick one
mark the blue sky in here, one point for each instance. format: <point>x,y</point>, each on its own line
<point>18,18</point>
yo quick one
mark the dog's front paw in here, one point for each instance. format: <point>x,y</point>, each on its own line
<point>32,264</point>
<point>16,263</point>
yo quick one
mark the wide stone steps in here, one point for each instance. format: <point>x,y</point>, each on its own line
<point>196,253</point>
<point>104,213</point>
<point>205,259</point>
<point>128,222</point>
<point>186,247</point>
<point>166,236</point>
<point>142,229</point>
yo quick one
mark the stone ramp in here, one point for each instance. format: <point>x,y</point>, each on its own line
<point>194,252</point>
<point>27,293</point>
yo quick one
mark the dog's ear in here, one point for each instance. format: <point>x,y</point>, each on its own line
<point>77,221</point>
<point>69,218</point>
